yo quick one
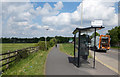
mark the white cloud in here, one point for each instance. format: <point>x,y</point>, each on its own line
<point>92,10</point>
<point>15,0</point>
<point>18,18</point>
<point>53,0</point>
<point>58,6</point>
<point>113,21</point>
<point>99,10</point>
<point>62,19</point>
<point>22,23</point>
<point>0,19</point>
<point>47,10</point>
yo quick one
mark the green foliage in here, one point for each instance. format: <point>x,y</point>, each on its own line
<point>61,39</point>
<point>53,42</point>
<point>50,43</point>
<point>114,35</point>
<point>22,54</point>
<point>34,64</point>
<point>24,40</point>
<point>67,48</point>
<point>117,47</point>
<point>41,45</point>
<point>97,34</point>
<point>118,31</point>
<point>12,47</point>
<point>34,40</point>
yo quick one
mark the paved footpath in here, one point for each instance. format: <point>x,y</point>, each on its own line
<point>58,63</point>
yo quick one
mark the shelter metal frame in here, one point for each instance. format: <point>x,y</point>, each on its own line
<point>82,30</point>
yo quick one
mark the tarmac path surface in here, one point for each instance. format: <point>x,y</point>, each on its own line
<point>58,63</point>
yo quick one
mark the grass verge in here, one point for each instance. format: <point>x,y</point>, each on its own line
<point>34,64</point>
<point>15,46</point>
<point>116,47</point>
<point>68,48</point>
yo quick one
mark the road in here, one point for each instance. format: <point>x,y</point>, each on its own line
<point>58,63</point>
<point>113,53</point>
<point>109,59</point>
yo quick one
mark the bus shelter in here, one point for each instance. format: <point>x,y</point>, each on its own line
<point>81,43</point>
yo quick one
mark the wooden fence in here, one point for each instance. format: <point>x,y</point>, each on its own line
<point>7,58</point>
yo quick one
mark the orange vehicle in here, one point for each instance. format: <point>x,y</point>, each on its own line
<point>104,42</point>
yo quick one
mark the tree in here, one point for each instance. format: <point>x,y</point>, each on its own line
<point>61,39</point>
<point>114,35</point>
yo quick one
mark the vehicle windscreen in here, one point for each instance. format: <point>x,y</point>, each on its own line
<point>104,41</point>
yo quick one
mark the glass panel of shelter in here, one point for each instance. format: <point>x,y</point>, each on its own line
<point>84,47</point>
<point>76,46</point>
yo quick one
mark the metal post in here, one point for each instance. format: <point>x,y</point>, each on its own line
<point>74,46</point>
<point>45,39</point>
<point>45,43</point>
<point>79,49</point>
<point>94,47</point>
<point>81,12</point>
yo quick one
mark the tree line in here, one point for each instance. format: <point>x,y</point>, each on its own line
<point>60,39</point>
<point>115,36</point>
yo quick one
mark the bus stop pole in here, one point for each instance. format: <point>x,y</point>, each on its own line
<point>79,49</point>
<point>94,47</point>
<point>74,47</point>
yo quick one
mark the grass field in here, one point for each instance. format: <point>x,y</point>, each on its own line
<point>15,46</point>
<point>12,47</point>
<point>68,48</point>
<point>34,64</point>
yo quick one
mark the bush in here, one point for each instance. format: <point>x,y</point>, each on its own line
<point>41,45</point>
<point>22,54</point>
<point>53,42</point>
<point>50,43</point>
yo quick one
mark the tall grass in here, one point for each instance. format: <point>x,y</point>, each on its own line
<point>34,64</point>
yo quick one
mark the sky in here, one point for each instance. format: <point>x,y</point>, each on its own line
<point>31,19</point>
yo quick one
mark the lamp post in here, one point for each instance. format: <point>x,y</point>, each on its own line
<point>81,12</point>
<point>46,40</point>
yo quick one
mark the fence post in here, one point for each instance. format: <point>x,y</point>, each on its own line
<point>8,60</point>
<point>16,53</point>
<point>28,51</point>
<point>37,48</point>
